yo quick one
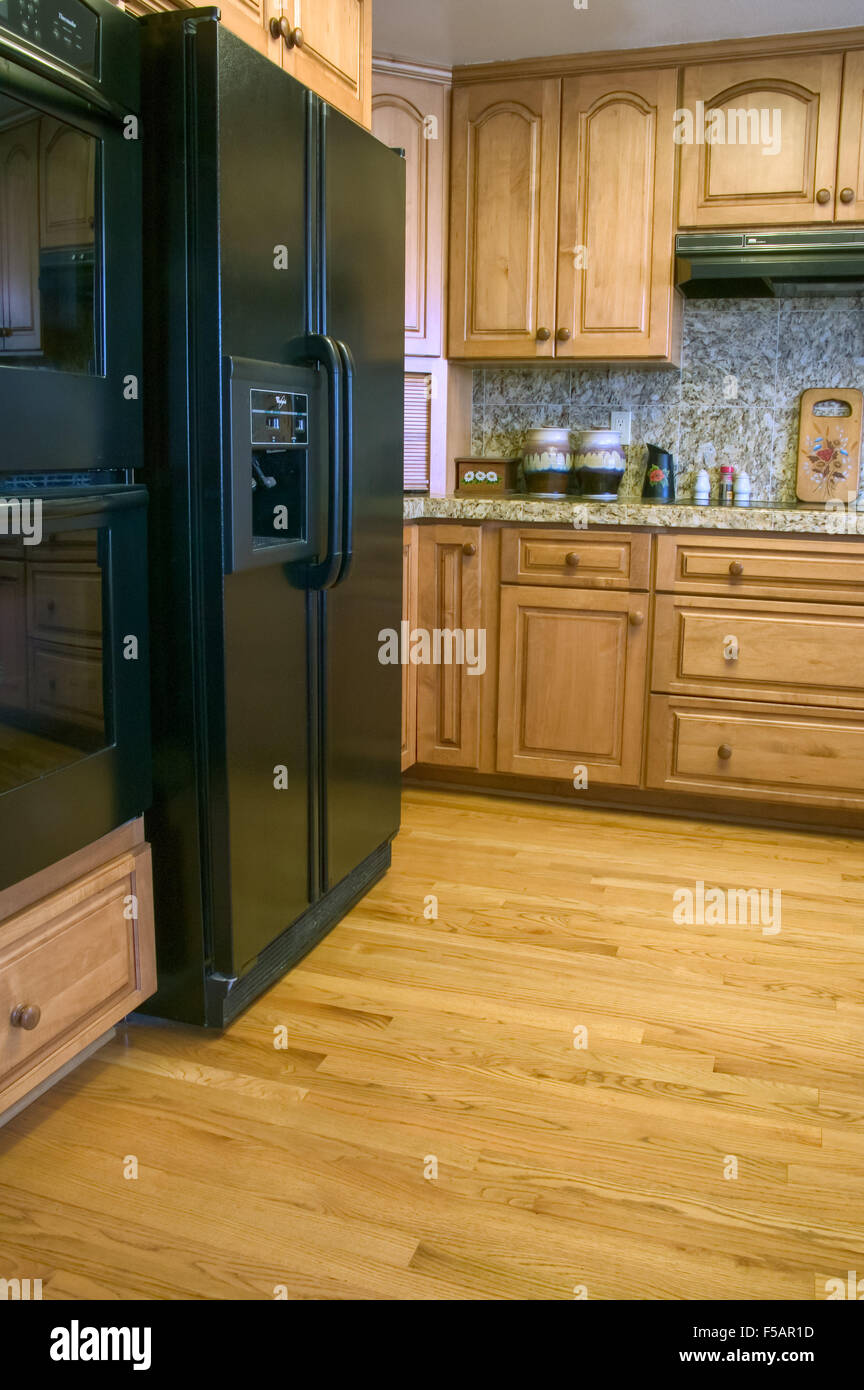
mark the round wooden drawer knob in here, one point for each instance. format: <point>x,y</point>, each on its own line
<point>572,559</point>
<point>736,567</point>
<point>847,195</point>
<point>543,335</point>
<point>469,549</point>
<point>724,752</point>
<point>563,335</point>
<point>25,1016</point>
<point>823,196</point>
<point>637,619</point>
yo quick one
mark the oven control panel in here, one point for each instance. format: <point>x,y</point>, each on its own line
<point>66,29</point>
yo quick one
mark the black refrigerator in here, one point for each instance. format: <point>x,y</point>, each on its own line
<point>274,270</point>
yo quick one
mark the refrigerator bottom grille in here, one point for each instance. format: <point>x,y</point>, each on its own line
<point>297,941</point>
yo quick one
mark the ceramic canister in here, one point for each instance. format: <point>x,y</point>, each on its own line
<point>599,462</point>
<point>547,461</point>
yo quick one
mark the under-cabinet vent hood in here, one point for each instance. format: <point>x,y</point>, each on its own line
<point>769,265</point>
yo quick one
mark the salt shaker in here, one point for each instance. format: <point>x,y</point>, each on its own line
<point>742,490</point>
<point>702,488</point>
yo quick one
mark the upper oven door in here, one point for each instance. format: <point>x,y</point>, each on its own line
<point>70,256</point>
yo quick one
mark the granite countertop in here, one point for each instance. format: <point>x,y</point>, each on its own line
<point>679,515</point>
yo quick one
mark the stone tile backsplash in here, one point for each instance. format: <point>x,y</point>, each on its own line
<point>734,399</point>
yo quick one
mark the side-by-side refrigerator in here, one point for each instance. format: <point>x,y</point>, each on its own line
<point>274,246</point>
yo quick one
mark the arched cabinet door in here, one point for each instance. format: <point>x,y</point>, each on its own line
<point>503,219</point>
<point>616,232</point>
<point>413,116</point>
<point>759,141</point>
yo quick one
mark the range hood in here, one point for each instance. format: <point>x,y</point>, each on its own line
<point>769,265</point>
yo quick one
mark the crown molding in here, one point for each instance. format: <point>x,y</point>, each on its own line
<point>669,55</point>
<point>409,67</point>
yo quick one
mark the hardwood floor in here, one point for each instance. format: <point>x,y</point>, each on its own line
<point>409,1041</point>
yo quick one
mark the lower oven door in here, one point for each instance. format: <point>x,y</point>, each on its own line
<point>74,671</point>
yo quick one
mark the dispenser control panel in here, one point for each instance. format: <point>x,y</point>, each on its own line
<point>279,418</point>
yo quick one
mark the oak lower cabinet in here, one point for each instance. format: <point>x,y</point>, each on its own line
<point>77,953</point>
<point>410,545</point>
<point>762,752</point>
<point>571,683</point>
<point>450,614</point>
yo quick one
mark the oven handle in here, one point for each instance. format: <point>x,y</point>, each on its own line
<point>41,77</point>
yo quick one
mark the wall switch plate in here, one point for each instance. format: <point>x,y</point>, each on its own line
<point>621,423</point>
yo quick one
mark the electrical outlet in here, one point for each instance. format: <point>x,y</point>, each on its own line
<point>621,423</point>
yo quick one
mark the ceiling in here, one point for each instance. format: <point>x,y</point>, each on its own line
<point>477,31</point>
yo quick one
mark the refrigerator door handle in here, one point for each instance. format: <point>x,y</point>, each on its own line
<point>317,347</point>
<point>348,435</point>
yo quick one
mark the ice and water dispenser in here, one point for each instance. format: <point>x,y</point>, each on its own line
<point>274,423</point>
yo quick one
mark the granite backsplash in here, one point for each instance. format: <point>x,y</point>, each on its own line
<point>733,400</point>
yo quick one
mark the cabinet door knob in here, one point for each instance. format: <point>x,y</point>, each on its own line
<point>469,549</point>
<point>280,28</point>
<point>572,559</point>
<point>724,752</point>
<point>847,195</point>
<point>562,335</point>
<point>25,1016</point>
<point>736,567</point>
<point>543,335</point>
<point>824,195</point>
<point>637,619</point>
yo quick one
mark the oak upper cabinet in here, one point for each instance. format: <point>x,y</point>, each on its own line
<point>414,115</point>
<point>67,182</point>
<point>616,296</point>
<point>250,21</point>
<point>450,561</point>
<point>571,684</point>
<point>327,45</point>
<point>409,671</point>
<point>503,219</point>
<point>849,200</point>
<point>778,174</point>
<point>20,317</point>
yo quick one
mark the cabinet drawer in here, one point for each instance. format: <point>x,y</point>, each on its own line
<point>801,653</point>
<point>830,570</point>
<point>64,604</point>
<point>616,561</point>
<point>67,684</point>
<point>78,960</point>
<point>757,751</point>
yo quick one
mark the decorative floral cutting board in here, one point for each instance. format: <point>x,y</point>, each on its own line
<point>829,445</point>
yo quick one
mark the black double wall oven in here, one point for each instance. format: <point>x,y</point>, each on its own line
<point>74,708</point>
